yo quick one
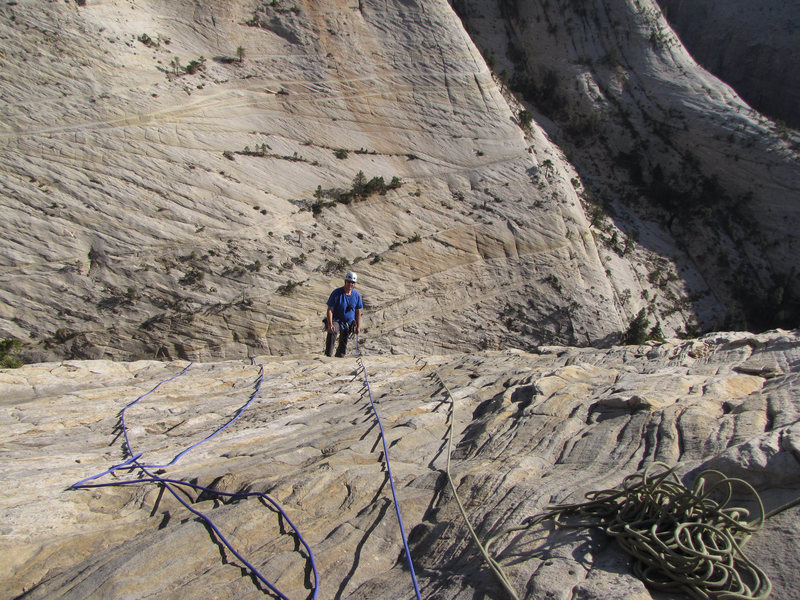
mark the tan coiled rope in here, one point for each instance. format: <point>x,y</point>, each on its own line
<point>687,540</point>
<point>681,539</point>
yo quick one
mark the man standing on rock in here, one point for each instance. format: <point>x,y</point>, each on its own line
<point>344,315</point>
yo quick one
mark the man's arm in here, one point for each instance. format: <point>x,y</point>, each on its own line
<point>330,319</point>
<point>358,320</point>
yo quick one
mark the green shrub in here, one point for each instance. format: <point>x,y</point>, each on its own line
<point>333,266</point>
<point>196,65</point>
<point>288,287</point>
<point>191,277</point>
<point>148,41</point>
<point>8,353</point>
<point>553,280</point>
<point>318,205</point>
<point>656,333</point>
<point>637,330</point>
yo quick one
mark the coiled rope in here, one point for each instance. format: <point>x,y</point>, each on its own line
<point>682,539</point>
<point>687,540</point>
<point>174,485</point>
<point>389,471</point>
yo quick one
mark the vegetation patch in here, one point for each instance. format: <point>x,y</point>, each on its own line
<point>9,349</point>
<point>361,189</point>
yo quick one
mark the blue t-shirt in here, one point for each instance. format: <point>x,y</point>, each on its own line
<point>344,306</point>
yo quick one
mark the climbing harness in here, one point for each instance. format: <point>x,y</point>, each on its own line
<point>680,539</point>
<point>493,565</point>
<point>174,485</point>
<point>389,471</point>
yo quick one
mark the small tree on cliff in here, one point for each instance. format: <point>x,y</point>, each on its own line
<point>637,330</point>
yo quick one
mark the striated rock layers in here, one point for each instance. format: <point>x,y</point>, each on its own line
<point>530,429</point>
<point>681,164</point>
<point>176,177</point>
<point>182,180</point>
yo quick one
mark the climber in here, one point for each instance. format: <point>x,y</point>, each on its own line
<point>344,315</point>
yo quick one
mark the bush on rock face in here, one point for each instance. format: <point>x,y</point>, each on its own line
<point>8,349</point>
<point>637,330</point>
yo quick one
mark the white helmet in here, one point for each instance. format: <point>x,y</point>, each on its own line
<point>351,277</point>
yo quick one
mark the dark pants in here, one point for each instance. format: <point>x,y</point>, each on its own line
<point>342,331</point>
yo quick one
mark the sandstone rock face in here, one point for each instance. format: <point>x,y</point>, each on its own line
<point>530,429</point>
<point>158,191</point>
<point>169,172</point>
<point>749,44</point>
<point>682,164</point>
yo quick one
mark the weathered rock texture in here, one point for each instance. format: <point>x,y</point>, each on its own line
<point>156,215</point>
<point>157,191</point>
<point>530,429</point>
<point>678,160</point>
<point>749,44</point>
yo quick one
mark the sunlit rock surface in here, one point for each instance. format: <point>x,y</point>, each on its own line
<point>530,429</point>
<point>169,170</point>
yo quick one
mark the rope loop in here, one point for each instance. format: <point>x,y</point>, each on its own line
<point>687,540</point>
<point>152,474</point>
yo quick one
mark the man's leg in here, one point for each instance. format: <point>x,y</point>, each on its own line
<point>343,335</point>
<point>330,340</point>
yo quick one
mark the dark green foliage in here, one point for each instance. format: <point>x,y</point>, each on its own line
<point>148,41</point>
<point>334,266</point>
<point>637,330</point>
<point>191,277</point>
<point>359,183</point>
<point>318,205</point>
<point>287,288</point>
<point>656,334</point>
<point>360,189</point>
<point>8,353</point>
<point>553,281</point>
<point>196,65</point>
<point>376,185</point>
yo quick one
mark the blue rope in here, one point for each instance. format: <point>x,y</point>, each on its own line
<point>389,469</point>
<point>172,485</point>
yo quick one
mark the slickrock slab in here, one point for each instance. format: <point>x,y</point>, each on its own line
<point>530,429</point>
<point>151,212</point>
